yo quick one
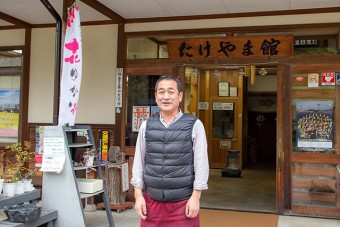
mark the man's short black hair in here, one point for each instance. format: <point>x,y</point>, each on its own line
<point>179,85</point>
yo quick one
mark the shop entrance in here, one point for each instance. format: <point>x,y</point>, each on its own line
<point>222,98</point>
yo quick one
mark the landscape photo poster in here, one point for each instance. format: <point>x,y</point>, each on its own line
<point>9,114</point>
<point>315,125</point>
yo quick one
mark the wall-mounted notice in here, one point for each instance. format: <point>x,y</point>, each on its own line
<point>223,106</point>
<point>54,154</point>
<point>139,114</point>
<point>119,87</point>
<point>313,80</point>
<point>125,176</point>
<point>203,105</point>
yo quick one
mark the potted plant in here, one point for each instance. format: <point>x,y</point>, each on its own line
<point>88,158</point>
<point>13,171</point>
<point>27,179</point>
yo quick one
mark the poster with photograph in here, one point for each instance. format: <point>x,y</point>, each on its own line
<point>154,110</point>
<point>139,114</point>
<point>315,125</point>
<point>313,80</point>
<point>39,145</point>
<point>337,75</point>
<point>9,114</point>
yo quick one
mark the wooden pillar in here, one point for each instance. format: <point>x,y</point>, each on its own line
<point>119,139</point>
<point>25,86</point>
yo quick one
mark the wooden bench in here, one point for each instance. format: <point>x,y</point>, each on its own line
<point>47,216</point>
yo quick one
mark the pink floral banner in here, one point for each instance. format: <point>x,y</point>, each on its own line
<point>72,69</point>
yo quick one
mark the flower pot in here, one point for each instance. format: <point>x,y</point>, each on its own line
<point>28,185</point>
<point>89,160</point>
<point>9,189</point>
<point>20,187</point>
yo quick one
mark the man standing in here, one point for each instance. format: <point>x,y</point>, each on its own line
<point>171,166</point>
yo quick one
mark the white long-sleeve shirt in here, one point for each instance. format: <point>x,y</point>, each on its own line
<point>201,163</point>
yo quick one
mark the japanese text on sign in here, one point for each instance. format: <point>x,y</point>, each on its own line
<point>276,46</point>
<point>54,154</point>
<point>119,87</point>
<point>72,69</point>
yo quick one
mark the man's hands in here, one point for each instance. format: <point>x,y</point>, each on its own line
<point>140,205</point>
<point>193,205</point>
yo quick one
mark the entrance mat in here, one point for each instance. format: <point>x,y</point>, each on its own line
<point>225,218</point>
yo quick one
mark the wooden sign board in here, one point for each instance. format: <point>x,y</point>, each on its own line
<point>231,47</point>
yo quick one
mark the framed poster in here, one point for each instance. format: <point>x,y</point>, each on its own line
<point>9,115</point>
<point>223,89</point>
<point>313,80</point>
<point>315,125</point>
<point>139,114</point>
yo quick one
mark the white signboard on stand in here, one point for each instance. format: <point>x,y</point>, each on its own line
<point>54,154</point>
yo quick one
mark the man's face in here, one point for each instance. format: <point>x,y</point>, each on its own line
<point>167,96</point>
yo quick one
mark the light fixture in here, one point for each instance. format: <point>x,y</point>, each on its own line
<point>216,73</point>
<point>196,72</point>
<point>263,72</point>
<point>241,72</point>
<point>15,52</point>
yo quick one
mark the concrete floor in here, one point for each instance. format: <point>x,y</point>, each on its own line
<point>255,191</point>
<point>128,218</point>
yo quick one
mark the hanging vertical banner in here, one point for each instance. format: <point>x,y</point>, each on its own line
<point>104,145</point>
<point>72,69</point>
<point>119,87</point>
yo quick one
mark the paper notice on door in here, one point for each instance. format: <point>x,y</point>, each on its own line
<point>54,154</point>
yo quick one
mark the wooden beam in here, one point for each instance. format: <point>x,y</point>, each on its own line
<point>14,20</point>
<point>236,15</point>
<point>315,158</point>
<point>104,10</point>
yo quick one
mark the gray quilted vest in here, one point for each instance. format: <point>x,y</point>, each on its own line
<point>169,159</point>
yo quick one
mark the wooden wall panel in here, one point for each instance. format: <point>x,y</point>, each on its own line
<point>314,198</point>
<point>320,171</point>
<point>315,184</point>
<point>313,94</point>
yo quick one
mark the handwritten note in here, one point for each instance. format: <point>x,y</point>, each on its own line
<point>54,154</point>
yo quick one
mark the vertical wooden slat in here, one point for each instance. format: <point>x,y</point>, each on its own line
<point>287,139</point>
<point>121,59</point>
<point>279,140</point>
<point>337,139</point>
